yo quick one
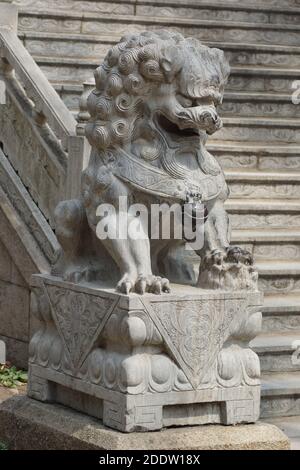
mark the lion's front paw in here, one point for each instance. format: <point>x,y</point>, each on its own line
<point>143,283</point>
<point>229,269</point>
<point>235,254</point>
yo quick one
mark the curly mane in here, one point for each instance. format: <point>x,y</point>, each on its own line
<point>130,71</point>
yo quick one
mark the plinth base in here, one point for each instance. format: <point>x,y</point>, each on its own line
<point>141,363</point>
<point>29,424</point>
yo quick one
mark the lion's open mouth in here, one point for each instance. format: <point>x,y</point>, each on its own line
<point>172,128</point>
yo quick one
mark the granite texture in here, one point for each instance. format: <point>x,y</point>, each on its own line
<point>28,424</point>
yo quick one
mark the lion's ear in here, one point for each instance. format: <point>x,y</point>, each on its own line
<point>170,63</point>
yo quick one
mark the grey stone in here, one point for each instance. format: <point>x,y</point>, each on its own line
<point>9,16</point>
<point>141,163</point>
<point>291,427</point>
<point>280,394</point>
<point>268,79</point>
<point>120,7</point>
<point>130,365</point>
<point>261,71</point>
<point>255,155</point>
<point>278,352</point>
<point>245,104</point>
<point>280,405</point>
<point>25,233</point>
<point>14,314</point>
<point>5,265</point>
<point>91,46</point>
<point>210,11</point>
<point>92,23</point>
<point>16,351</point>
<point>27,424</point>
<point>281,314</point>
<point>253,129</point>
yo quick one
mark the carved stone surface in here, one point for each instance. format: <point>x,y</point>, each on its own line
<point>144,362</point>
<point>151,112</point>
<point>204,30</point>
<point>31,157</point>
<point>280,406</point>
<point>137,360</point>
<point>97,6</point>
<point>263,70</point>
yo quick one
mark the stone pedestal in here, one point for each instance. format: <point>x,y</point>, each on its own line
<point>31,425</point>
<point>140,363</point>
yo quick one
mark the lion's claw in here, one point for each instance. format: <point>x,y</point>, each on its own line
<point>152,284</point>
<point>217,257</point>
<point>235,254</point>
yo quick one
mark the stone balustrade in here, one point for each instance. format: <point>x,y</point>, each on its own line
<point>47,129</point>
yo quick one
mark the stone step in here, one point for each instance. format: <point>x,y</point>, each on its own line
<point>263,184</point>
<point>103,7</point>
<point>279,276</point>
<point>266,244</point>
<point>266,55</point>
<point>242,79</point>
<point>221,10</point>
<point>225,11</point>
<point>262,79</point>
<point>258,104</point>
<point>71,41</point>
<point>290,425</point>
<point>95,46</point>
<point>259,155</point>
<point>264,129</point>
<point>70,93</point>
<point>94,23</point>
<point>281,313</point>
<point>280,395</point>
<point>279,3</point>
<point>258,213</point>
<point>279,352</point>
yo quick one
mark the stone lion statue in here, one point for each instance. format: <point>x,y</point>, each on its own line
<point>151,112</point>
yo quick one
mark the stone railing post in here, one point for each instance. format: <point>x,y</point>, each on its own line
<point>9,16</point>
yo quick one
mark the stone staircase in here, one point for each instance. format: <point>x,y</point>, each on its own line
<point>259,146</point>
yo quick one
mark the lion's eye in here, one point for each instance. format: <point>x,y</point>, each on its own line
<point>184,101</point>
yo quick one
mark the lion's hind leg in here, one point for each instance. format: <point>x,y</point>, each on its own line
<point>72,230</point>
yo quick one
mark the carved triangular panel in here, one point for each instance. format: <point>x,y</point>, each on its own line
<point>79,318</point>
<point>195,331</point>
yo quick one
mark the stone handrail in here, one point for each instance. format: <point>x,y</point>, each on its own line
<point>46,101</point>
<point>49,119</point>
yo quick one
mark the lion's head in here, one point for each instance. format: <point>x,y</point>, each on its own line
<point>155,100</point>
<point>155,72</point>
